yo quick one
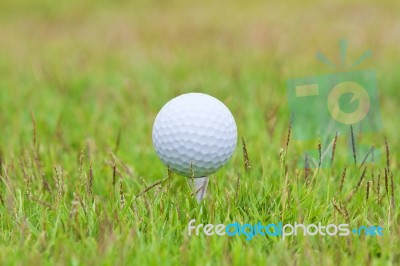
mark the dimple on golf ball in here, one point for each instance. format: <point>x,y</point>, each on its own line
<point>194,134</point>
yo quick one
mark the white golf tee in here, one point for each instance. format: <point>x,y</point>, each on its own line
<point>199,185</point>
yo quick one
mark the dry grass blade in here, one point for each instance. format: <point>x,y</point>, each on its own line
<point>57,181</point>
<point>74,208</point>
<point>392,188</point>
<point>339,209</point>
<point>169,173</point>
<point>191,174</point>
<point>353,144</point>
<point>147,205</point>
<point>342,179</point>
<point>334,147</point>
<point>122,195</point>
<point>345,212</point>
<point>361,178</point>
<point>306,167</point>
<point>90,181</point>
<point>45,184</point>
<point>81,159</point>
<point>358,185</point>
<point>41,202</point>
<point>245,156</point>
<point>237,187</point>
<point>289,131</point>
<point>83,205</point>
<point>151,186</point>
<point>114,174</point>
<point>373,177</point>
<point>62,186</point>
<point>387,155</point>
<point>387,181</point>
<point>368,188</point>
<point>169,176</point>
<point>319,152</point>
<point>197,191</point>
<point>378,189</point>
<point>370,151</point>
<point>121,165</point>
<point>158,191</point>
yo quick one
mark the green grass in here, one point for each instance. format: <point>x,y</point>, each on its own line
<point>95,74</point>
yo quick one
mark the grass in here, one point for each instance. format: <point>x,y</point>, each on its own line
<point>80,85</point>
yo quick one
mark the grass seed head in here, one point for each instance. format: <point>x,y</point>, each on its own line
<point>90,181</point>
<point>392,189</point>
<point>121,194</point>
<point>334,147</point>
<point>361,178</point>
<point>245,156</point>
<point>319,152</point>
<point>342,179</point>
<point>378,189</point>
<point>114,174</point>
<point>289,131</point>
<point>306,167</point>
<point>368,188</point>
<point>353,144</point>
<point>387,181</point>
<point>387,154</point>
<point>237,187</point>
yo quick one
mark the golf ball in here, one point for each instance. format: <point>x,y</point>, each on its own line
<point>194,134</point>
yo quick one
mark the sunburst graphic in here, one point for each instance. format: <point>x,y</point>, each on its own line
<point>343,55</point>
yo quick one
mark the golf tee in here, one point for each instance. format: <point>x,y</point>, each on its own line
<point>200,187</point>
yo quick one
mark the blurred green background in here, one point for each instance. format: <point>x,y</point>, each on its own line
<point>95,73</point>
<point>88,69</point>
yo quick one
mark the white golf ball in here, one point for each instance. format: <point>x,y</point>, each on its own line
<point>194,133</point>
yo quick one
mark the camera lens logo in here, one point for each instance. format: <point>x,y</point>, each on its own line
<point>334,104</point>
<point>359,94</point>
